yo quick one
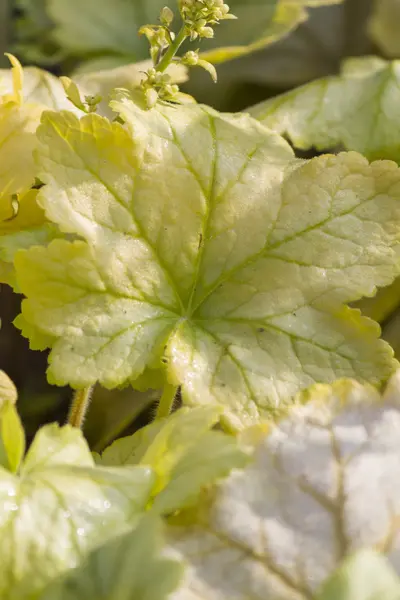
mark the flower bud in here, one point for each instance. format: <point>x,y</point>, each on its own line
<point>166,16</point>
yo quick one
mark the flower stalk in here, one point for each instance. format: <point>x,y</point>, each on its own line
<point>199,17</point>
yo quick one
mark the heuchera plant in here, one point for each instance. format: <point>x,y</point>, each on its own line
<point>161,244</point>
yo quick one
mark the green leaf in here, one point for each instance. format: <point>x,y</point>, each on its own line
<point>259,24</point>
<point>102,26</point>
<point>59,508</point>
<point>8,391</point>
<point>323,484</point>
<point>364,576</point>
<point>183,452</point>
<point>314,49</point>
<point>384,26</point>
<point>380,307</point>
<point>128,568</point>
<point>210,252</point>
<point>12,436</point>
<point>107,29</point>
<point>29,227</point>
<point>357,109</point>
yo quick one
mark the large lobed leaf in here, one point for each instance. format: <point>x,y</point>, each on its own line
<point>324,484</point>
<point>211,252</point>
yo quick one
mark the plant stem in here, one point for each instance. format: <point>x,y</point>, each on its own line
<point>172,50</point>
<point>166,401</point>
<point>79,407</point>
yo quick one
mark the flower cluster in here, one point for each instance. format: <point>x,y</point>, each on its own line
<point>200,16</point>
<point>157,86</point>
<point>198,19</point>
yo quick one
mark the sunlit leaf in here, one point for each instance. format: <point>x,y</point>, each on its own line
<point>28,227</point>
<point>60,507</point>
<point>210,252</point>
<point>357,109</point>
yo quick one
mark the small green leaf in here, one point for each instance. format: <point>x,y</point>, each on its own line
<point>12,438</point>
<point>366,575</point>
<point>130,567</point>
<point>323,484</point>
<point>236,290</point>
<point>59,508</point>
<point>8,391</point>
<point>12,435</point>
<point>185,455</point>
<point>357,109</point>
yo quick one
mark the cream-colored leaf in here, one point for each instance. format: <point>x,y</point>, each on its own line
<point>324,483</point>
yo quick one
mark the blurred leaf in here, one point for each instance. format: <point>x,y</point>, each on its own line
<point>12,438</point>
<point>383,304</point>
<point>106,30</point>
<point>8,391</point>
<point>323,483</point>
<point>385,26</point>
<point>314,49</point>
<point>5,29</point>
<point>60,507</point>
<point>259,24</point>
<point>358,109</point>
<point>130,567</point>
<point>182,451</point>
<point>366,575</point>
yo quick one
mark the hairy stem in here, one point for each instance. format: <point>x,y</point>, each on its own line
<point>166,401</point>
<point>79,407</point>
<point>172,50</point>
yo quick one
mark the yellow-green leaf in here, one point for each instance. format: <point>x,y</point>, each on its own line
<point>8,391</point>
<point>357,109</point>
<point>12,436</point>
<point>59,508</point>
<point>210,252</point>
<point>185,455</point>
